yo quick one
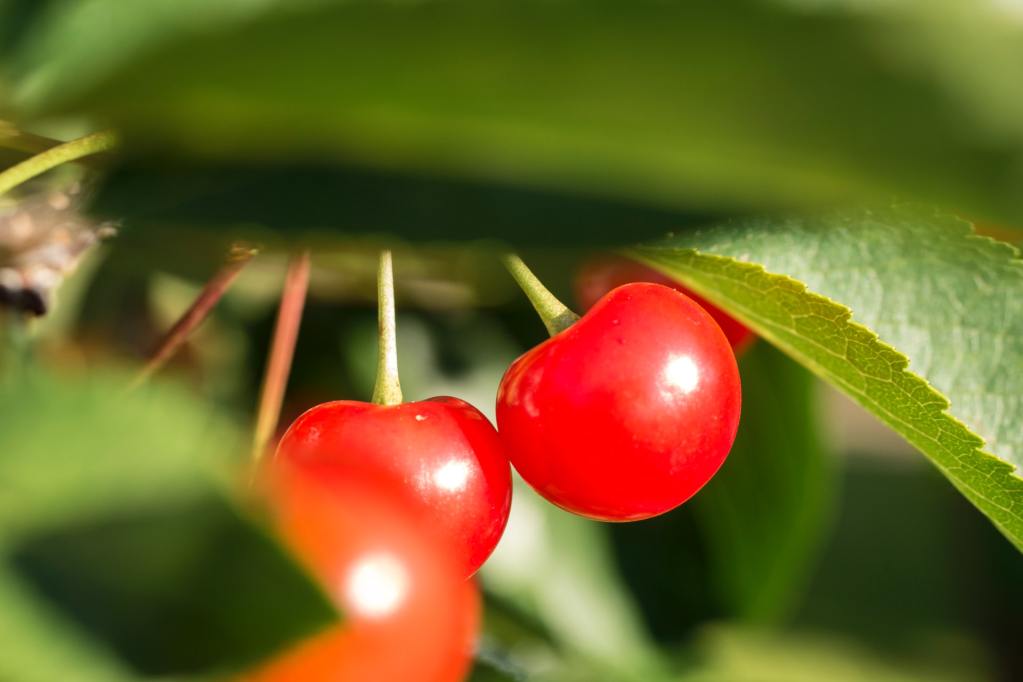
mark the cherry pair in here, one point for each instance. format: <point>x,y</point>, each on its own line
<point>622,415</point>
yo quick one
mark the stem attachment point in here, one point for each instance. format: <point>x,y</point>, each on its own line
<point>556,316</point>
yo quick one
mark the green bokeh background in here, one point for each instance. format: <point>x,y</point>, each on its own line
<point>449,129</point>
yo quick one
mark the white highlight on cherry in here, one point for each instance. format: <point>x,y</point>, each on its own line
<point>681,376</point>
<point>452,475</point>
<point>377,585</point>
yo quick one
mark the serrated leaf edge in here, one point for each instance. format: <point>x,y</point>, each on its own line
<point>766,328</point>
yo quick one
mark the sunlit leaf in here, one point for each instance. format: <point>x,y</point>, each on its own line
<point>905,310</point>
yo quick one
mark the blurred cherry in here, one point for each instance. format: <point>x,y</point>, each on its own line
<point>408,613</point>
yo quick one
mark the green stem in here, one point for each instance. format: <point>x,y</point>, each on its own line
<point>387,390</point>
<point>555,315</point>
<point>51,158</point>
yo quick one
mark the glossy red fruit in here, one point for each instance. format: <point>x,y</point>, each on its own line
<point>443,450</point>
<point>408,612</point>
<point>600,276</point>
<point>628,412</point>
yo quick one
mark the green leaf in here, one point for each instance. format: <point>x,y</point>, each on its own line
<point>765,514</point>
<point>70,449</point>
<point>729,654</point>
<point>841,292</point>
<point>44,59</point>
<point>666,104</point>
<point>120,539</point>
<point>40,645</point>
<point>486,670</point>
<point>174,589</point>
<point>157,196</point>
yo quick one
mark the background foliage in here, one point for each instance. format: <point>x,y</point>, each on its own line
<point>816,164</point>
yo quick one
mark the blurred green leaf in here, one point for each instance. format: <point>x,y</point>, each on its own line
<point>712,104</point>
<point>40,645</point>
<point>737,655</point>
<point>902,530</point>
<point>70,449</point>
<point>947,307</point>
<point>765,514</point>
<point>118,534</point>
<point>177,589</point>
<point>157,195</point>
<point>487,670</point>
<point>101,46</point>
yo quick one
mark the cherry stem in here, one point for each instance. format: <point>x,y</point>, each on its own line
<point>387,390</point>
<point>55,156</point>
<point>282,351</point>
<point>556,315</point>
<point>178,334</point>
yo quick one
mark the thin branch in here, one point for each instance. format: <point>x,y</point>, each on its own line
<point>51,158</point>
<point>282,350</point>
<point>20,141</point>
<point>200,309</point>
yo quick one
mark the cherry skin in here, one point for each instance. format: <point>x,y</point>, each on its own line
<point>599,276</point>
<point>443,450</point>
<point>628,412</point>
<point>408,613</point>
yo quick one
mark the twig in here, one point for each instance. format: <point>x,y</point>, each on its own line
<point>20,141</point>
<point>55,156</point>
<point>200,309</point>
<point>282,350</point>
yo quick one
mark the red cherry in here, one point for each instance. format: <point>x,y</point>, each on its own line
<point>600,276</point>
<point>629,411</point>
<point>408,612</point>
<point>443,451</point>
